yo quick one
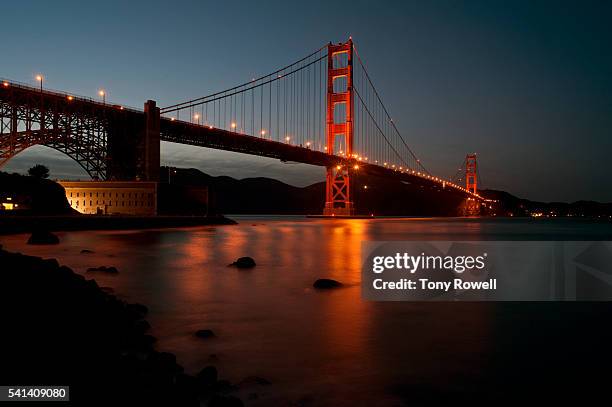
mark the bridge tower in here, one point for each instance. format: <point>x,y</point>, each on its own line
<point>339,129</point>
<point>471,178</point>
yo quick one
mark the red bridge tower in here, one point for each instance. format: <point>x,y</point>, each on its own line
<point>471,178</point>
<point>339,127</point>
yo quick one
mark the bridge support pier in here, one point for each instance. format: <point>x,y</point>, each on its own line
<point>150,143</point>
<point>338,193</point>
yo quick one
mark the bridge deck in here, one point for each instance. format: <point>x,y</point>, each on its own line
<point>175,131</point>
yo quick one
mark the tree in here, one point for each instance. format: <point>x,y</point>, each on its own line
<point>39,171</point>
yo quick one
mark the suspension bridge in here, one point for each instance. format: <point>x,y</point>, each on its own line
<point>321,110</point>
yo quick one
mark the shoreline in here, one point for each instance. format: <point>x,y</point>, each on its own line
<point>29,223</point>
<point>63,328</point>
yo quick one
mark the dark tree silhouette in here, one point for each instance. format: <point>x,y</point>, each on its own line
<point>39,171</point>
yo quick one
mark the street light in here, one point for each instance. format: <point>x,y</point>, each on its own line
<point>102,93</point>
<point>233,125</point>
<point>197,118</point>
<point>40,79</point>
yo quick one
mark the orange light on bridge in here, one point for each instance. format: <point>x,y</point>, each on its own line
<point>70,98</point>
<point>338,167</point>
<point>287,139</point>
<point>172,119</point>
<point>40,79</point>
<point>5,84</point>
<point>233,125</point>
<point>356,167</point>
<point>308,144</point>
<point>263,132</point>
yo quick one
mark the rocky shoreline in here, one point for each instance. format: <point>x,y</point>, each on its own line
<point>25,224</point>
<point>62,329</point>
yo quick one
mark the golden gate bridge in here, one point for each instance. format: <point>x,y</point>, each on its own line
<point>322,110</point>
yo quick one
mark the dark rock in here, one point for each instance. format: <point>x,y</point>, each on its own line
<point>187,385</point>
<point>244,263</point>
<point>224,386</point>
<point>326,283</point>
<point>43,237</point>
<point>139,309</point>
<point>142,326</point>
<point>99,339</point>
<point>86,251</point>
<point>253,381</point>
<point>205,333</point>
<point>208,376</point>
<point>225,401</point>
<point>103,269</point>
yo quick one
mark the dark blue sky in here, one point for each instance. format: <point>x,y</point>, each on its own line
<point>527,85</point>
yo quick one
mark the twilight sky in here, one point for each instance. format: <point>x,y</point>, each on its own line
<point>526,84</point>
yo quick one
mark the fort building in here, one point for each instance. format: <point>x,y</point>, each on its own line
<point>112,197</point>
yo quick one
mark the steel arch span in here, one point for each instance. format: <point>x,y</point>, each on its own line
<point>107,141</point>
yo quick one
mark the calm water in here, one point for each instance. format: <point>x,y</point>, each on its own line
<point>317,348</point>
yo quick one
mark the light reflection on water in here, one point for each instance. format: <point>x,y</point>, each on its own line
<point>323,348</point>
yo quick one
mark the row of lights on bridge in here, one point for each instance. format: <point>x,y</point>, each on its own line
<point>360,158</point>
<point>417,173</point>
<point>40,79</point>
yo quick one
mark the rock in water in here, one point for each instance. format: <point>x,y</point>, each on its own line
<point>205,333</point>
<point>43,237</point>
<point>86,251</point>
<point>244,263</point>
<point>325,283</point>
<point>103,269</point>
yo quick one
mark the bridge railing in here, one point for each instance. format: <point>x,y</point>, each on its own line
<point>6,83</point>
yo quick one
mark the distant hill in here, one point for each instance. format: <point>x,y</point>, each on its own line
<point>373,195</point>
<point>510,205</point>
